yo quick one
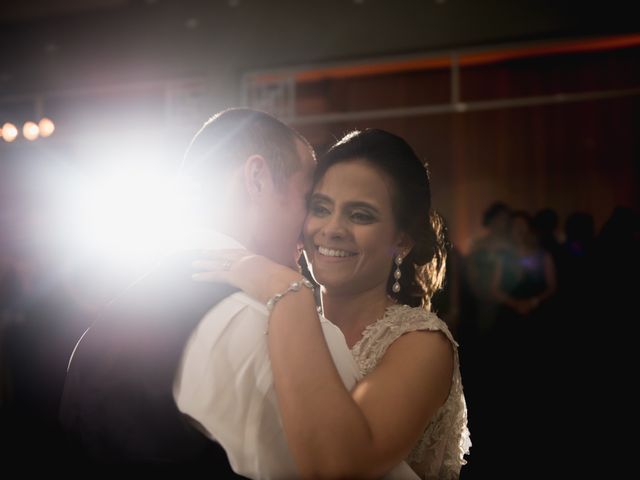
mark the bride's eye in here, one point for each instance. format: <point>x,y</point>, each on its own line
<point>318,210</point>
<point>362,217</point>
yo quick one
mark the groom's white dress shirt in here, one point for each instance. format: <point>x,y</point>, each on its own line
<point>224,381</point>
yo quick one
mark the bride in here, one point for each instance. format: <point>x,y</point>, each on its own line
<point>376,248</point>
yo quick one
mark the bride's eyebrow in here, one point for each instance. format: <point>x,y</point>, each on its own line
<point>364,205</point>
<point>315,197</point>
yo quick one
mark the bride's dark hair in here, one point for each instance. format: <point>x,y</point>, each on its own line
<point>424,268</point>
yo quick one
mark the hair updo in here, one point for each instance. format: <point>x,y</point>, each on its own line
<point>424,267</point>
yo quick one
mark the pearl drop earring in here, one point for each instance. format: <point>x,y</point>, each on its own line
<point>397,274</point>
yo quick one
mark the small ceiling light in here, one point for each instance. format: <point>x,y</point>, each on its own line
<point>31,131</point>
<point>9,132</point>
<point>47,127</point>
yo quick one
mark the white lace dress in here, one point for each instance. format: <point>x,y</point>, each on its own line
<point>440,452</point>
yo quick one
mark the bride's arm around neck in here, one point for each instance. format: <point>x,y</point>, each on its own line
<point>334,433</point>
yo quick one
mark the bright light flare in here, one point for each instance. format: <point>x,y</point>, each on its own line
<point>135,217</point>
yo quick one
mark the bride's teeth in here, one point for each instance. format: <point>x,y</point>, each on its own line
<point>333,253</point>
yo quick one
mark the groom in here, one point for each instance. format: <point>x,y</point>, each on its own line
<point>174,369</point>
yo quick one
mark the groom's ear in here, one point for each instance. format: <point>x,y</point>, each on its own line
<point>257,176</point>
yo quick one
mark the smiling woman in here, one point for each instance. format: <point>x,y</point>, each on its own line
<point>377,248</point>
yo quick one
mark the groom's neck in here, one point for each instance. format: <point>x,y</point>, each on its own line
<point>238,231</point>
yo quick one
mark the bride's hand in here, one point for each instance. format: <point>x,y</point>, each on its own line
<point>258,276</point>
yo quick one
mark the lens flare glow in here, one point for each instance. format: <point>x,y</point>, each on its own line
<point>135,216</point>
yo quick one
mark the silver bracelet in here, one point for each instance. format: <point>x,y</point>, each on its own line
<point>293,287</point>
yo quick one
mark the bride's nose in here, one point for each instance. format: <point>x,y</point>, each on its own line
<point>334,227</point>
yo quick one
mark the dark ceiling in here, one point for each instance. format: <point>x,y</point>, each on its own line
<point>33,9</point>
<point>73,43</point>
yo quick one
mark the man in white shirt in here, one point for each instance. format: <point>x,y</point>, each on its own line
<point>168,341</point>
<point>225,381</point>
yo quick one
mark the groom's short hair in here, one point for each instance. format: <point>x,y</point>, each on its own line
<point>228,138</point>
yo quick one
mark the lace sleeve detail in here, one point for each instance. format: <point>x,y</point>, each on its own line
<point>439,454</point>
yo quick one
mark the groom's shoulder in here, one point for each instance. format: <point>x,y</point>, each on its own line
<point>242,301</point>
<point>240,309</point>
<point>168,286</point>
